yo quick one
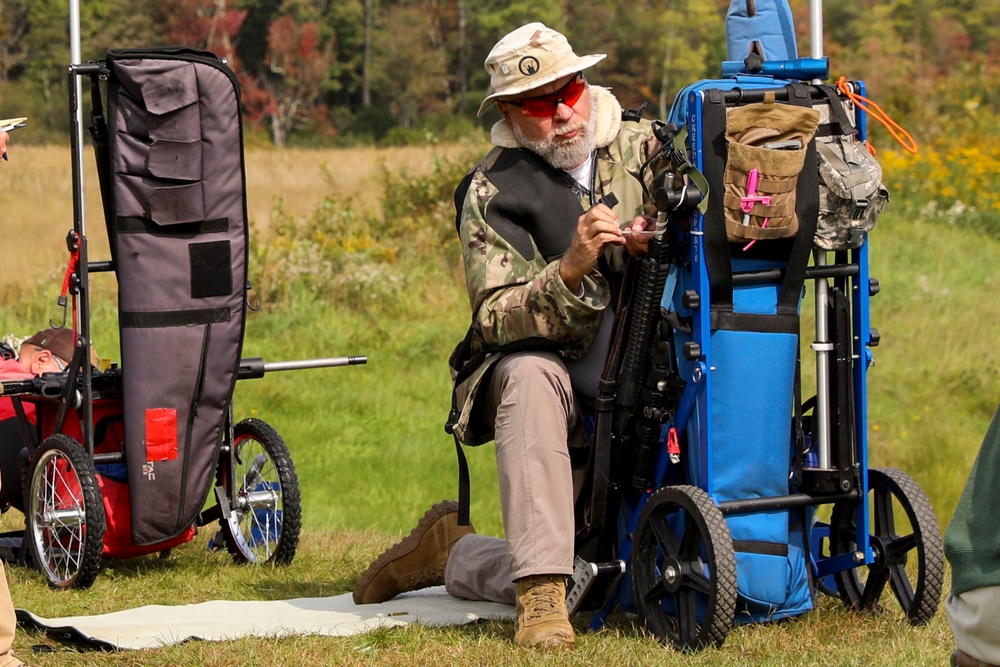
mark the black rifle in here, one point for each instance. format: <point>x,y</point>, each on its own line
<point>635,393</point>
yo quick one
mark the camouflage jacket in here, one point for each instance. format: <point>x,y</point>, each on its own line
<point>518,299</point>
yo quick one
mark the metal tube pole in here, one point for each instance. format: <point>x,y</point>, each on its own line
<point>816,28</point>
<point>822,345</point>
<point>82,297</point>
<point>75,58</point>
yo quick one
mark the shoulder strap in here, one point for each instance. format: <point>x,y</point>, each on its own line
<point>99,135</point>
<point>807,209</point>
<point>464,486</point>
<point>717,252</point>
<point>717,258</point>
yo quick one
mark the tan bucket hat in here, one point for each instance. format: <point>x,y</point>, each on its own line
<point>528,58</point>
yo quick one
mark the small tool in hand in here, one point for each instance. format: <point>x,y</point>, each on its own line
<point>11,124</point>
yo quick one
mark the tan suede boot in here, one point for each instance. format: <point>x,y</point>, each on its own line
<point>542,618</point>
<point>417,561</point>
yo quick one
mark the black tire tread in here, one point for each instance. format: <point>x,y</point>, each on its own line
<point>291,521</point>
<point>90,564</point>
<point>723,560</point>
<point>929,549</point>
<point>928,593</point>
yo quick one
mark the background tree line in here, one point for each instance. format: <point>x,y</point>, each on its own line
<point>399,71</point>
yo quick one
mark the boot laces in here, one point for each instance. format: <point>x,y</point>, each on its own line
<point>544,600</point>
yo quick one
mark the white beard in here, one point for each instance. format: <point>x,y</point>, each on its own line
<point>564,154</point>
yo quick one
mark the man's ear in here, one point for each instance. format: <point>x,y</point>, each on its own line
<point>42,362</point>
<point>504,111</point>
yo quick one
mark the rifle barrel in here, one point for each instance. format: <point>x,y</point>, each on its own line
<point>256,367</point>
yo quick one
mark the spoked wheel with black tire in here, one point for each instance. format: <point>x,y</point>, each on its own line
<point>259,480</point>
<point>65,517</point>
<point>906,546</point>
<point>684,569</point>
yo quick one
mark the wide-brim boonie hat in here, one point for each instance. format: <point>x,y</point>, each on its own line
<point>528,58</point>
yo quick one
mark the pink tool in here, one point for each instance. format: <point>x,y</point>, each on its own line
<point>747,203</point>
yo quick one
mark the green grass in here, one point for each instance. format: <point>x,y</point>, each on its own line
<point>372,455</point>
<point>936,381</point>
<point>329,561</point>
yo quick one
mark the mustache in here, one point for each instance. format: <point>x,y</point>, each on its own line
<point>578,126</point>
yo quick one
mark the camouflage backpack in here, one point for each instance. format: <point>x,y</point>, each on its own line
<point>851,194</point>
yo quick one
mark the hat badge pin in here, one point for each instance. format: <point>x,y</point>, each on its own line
<point>528,65</point>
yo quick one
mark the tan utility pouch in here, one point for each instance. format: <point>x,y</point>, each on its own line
<point>766,146</point>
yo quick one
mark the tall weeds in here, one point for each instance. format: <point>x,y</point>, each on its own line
<point>389,262</point>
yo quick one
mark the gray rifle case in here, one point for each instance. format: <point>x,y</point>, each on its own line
<point>174,189</point>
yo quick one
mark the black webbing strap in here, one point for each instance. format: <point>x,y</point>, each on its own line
<point>727,320</point>
<point>464,484</point>
<point>717,254</point>
<point>717,258</point>
<point>25,425</point>
<point>760,547</point>
<point>840,122</point>
<point>65,398</point>
<point>462,357</point>
<point>807,211</point>
<point>158,319</point>
<point>99,135</point>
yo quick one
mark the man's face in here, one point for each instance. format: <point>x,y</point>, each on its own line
<point>37,360</point>
<point>552,125</point>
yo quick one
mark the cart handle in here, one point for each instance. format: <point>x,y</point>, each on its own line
<point>255,367</point>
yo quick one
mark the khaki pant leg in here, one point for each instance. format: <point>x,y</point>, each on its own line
<point>8,622</point>
<point>531,401</point>
<point>973,616</point>
<point>479,569</point>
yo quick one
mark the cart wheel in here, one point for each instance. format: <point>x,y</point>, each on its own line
<point>263,490</point>
<point>898,529</point>
<point>65,515</point>
<point>684,569</point>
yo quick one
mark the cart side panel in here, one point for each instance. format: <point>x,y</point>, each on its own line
<point>739,437</point>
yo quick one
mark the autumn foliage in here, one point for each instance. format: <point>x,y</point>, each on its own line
<point>411,70</point>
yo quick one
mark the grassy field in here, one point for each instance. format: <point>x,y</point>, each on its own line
<point>327,563</point>
<point>37,198</point>
<point>372,456</point>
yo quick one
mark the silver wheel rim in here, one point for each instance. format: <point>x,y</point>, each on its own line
<point>255,522</point>
<point>59,516</point>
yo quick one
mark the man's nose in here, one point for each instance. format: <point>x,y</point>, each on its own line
<point>562,112</point>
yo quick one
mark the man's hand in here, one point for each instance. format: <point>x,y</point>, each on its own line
<point>595,229</point>
<point>638,234</point>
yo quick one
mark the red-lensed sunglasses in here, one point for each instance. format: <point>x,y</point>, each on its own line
<point>543,106</point>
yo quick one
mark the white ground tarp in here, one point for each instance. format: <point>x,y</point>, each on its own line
<point>159,625</point>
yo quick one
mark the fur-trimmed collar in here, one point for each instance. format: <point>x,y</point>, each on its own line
<point>609,120</point>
